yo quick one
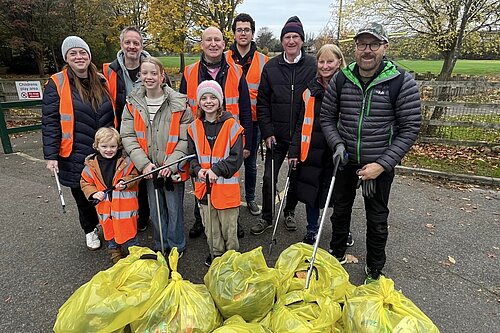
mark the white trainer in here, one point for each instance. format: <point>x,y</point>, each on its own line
<point>93,242</point>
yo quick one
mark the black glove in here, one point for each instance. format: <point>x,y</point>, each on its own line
<point>368,187</point>
<point>341,154</point>
<point>158,182</point>
<point>169,184</point>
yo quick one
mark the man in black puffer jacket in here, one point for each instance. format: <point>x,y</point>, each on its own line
<point>284,79</point>
<point>369,135</point>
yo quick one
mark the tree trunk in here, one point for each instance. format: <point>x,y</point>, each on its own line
<point>183,62</point>
<point>54,58</point>
<point>39,62</point>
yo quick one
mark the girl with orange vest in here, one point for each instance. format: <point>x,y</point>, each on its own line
<point>154,133</point>
<point>76,103</point>
<point>309,147</point>
<point>216,139</point>
<point>117,209</point>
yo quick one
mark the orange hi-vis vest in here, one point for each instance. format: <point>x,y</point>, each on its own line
<point>118,217</point>
<point>252,76</point>
<point>112,78</point>
<point>225,192</point>
<point>173,135</point>
<point>66,112</point>
<point>231,93</point>
<point>307,125</point>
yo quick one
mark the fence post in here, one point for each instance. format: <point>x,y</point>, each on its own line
<point>4,134</point>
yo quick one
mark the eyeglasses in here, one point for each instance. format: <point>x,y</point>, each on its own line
<point>373,46</point>
<point>246,30</point>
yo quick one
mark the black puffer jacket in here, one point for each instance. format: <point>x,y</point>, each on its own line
<point>367,124</point>
<point>315,173</point>
<point>87,122</point>
<point>280,95</point>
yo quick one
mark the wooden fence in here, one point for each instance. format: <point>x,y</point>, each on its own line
<point>460,122</point>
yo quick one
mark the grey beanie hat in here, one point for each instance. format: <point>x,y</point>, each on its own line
<point>71,42</point>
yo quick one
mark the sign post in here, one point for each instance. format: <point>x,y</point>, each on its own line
<point>29,90</point>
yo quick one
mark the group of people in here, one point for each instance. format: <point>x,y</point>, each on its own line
<point>357,121</point>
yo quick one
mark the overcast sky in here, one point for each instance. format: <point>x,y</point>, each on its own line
<point>314,14</point>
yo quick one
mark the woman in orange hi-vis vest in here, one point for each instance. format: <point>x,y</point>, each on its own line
<point>216,139</point>
<point>76,103</point>
<point>309,147</point>
<point>117,205</point>
<point>154,133</point>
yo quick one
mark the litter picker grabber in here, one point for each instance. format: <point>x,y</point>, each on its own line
<point>209,218</point>
<point>336,163</point>
<point>152,171</point>
<point>59,191</point>
<point>158,211</point>
<point>282,201</point>
<point>273,181</point>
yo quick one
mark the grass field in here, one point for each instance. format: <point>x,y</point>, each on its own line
<point>464,67</point>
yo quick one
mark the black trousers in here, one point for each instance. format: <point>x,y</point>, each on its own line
<point>280,153</point>
<point>86,211</point>
<point>377,211</point>
<point>142,197</point>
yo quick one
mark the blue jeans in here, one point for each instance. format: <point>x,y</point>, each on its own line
<point>172,216</point>
<point>251,165</point>
<point>131,242</point>
<point>312,214</point>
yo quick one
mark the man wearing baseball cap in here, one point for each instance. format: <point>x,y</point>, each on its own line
<point>370,117</point>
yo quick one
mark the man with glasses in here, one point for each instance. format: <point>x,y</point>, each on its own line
<point>213,66</point>
<point>243,52</point>
<point>279,101</point>
<point>369,134</point>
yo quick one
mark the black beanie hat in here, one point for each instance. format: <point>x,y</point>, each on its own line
<point>293,25</point>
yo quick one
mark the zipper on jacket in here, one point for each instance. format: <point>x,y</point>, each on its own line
<point>291,105</point>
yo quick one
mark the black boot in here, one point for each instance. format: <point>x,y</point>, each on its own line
<point>240,232</point>
<point>197,230</point>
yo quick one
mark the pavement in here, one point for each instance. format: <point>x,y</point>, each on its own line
<point>443,250</point>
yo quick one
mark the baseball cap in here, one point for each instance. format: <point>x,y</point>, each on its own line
<point>374,29</point>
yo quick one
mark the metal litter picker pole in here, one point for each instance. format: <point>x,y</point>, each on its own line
<point>159,168</point>
<point>273,181</point>
<point>158,212</point>
<point>209,218</point>
<point>282,201</point>
<point>59,191</point>
<point>323,216</point>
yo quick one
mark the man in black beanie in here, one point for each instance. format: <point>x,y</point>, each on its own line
<point>279,100</point>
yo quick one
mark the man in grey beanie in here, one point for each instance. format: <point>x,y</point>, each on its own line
<point>279,101</point>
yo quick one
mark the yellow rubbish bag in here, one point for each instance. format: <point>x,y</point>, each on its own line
<point>117,296</point>
<point>236,324</point>
<point>377,307</point>
<point>328,278</point>
<point>182,307</point>
<point>242,284</point>
<point>302,312</point>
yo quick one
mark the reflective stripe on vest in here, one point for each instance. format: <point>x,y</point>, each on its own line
<point>112,78</point>
<point>173,135</point>
<point>307,125</point>
<point>66,112</point>
<point>231,92</point>
<point>119,216</point>
<point>252,76</point>
<point>225,192</point>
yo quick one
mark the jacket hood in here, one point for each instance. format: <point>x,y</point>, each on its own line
<point>120,56</point>
<point>315,87</point>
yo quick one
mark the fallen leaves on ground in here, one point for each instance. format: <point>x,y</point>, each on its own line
<point>351,259</point>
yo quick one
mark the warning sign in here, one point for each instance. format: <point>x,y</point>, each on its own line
<point>31,90</point>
